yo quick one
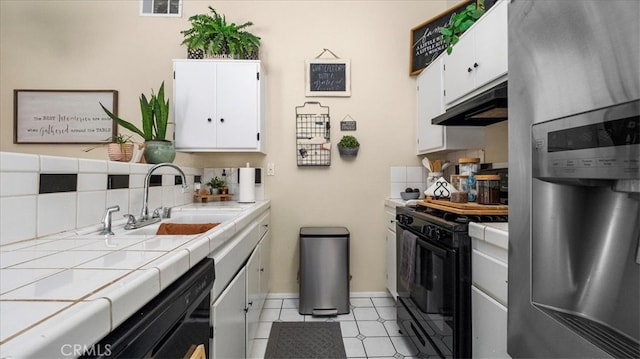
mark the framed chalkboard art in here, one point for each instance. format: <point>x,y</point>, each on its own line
<point>426,42</point>
<point>63,116</point>
<point>327,78</point>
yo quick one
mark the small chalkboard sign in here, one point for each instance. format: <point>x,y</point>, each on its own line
<point>328,77</point>
<point>426,43</point>
<point>348,125</point>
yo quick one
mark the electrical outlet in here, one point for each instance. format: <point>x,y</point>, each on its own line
<point>271,169</point>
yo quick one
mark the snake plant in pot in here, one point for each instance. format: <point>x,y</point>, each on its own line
<point>155,118</point>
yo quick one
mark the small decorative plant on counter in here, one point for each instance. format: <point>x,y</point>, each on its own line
<point>217,184</point>
<point>155,118</point>
<point>212,35</point>
<point>120,148</point>
<point>460,23</point>
<point>348,146</point>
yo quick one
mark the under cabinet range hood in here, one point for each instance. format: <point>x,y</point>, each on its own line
<point>484,109</point>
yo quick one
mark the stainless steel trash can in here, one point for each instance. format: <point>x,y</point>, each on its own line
<point>324,271</point>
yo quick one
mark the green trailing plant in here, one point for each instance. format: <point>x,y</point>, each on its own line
<point>216,182</point>
<point>348,142</point>
<point>215,36</point>
<point>121,139</point>
<point>460,23</point>
<point>155,117</point>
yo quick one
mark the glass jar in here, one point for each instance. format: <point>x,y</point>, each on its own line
<point>468,165</point>
<point>456,182</point>
<point>488,189</point>
<point>459,182</point>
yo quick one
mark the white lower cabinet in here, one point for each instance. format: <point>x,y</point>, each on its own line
<point>489,326</point>
<point>489,299</point>
<point>257,288</point>
<point>390,244</point>
<point>238,301</point>
<point>228,315</point>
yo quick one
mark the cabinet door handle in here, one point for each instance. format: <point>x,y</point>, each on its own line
<point>469,69</point>
<point>475,65</point>
<point>209,119</point>
<point>222,120</point>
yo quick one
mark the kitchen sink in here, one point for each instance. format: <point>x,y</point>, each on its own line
<point>182,218</point>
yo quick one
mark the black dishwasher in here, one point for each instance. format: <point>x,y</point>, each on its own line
<point>171,325</point>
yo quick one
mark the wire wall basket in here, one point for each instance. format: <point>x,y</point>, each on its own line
<point>313,138</point>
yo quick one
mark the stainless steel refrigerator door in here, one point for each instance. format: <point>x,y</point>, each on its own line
<point>565,57</point>
<point>324,275</point>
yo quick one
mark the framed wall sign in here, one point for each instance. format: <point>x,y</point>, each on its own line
<point>63,116</point>
<point>426,42</point>
<point>327,77</point>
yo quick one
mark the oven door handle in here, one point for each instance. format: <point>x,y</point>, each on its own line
<point>437,250</point>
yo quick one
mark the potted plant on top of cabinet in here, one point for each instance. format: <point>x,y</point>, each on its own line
<point>348,146</point>
<point>460,23</point>
<point>212,35</point>
<point>155,118</point>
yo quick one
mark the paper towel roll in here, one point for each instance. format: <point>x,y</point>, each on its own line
<point>247,190</point>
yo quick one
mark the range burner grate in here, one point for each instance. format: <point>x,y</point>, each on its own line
<point>462,218</point>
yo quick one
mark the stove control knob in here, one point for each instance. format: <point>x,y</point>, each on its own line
<point>430,230</point>
<point>404,219</point>
<point>436,234</point>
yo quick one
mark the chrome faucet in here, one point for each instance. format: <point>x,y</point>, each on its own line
<point>144,219</point>
<point>106,230</point>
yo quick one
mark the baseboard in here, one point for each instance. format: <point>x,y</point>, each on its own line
<point>352,295</point>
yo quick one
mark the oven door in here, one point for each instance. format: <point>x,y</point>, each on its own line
<point>427,293</point>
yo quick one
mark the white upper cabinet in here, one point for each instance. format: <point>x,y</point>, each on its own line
<point>479,59</point>
<point>218,106</point>
<point>430,103</point>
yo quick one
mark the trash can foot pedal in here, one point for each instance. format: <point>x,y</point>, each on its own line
<point>320,312</point>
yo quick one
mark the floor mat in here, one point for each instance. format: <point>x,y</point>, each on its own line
<point>305,340</point>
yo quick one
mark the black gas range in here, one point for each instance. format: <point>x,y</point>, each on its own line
<point>434,279</point>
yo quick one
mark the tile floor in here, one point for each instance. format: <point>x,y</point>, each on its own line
<point>368,331</point>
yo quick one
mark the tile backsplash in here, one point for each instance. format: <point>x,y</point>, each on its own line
<point>406,176</point>
<point>27,213</point>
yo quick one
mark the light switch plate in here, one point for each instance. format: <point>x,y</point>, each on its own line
<point>271,169</point>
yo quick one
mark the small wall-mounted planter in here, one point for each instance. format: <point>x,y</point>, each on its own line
<point>348,146</point>
<point>348,151</point>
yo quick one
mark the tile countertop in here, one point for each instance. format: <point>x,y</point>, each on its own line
<point>496,234</point>
<point>394,202</point>
<point>67,291</point>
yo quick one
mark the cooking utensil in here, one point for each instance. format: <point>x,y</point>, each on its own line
<point>427,164</point>
<point>436,166</point>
